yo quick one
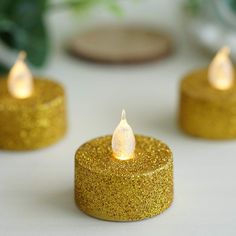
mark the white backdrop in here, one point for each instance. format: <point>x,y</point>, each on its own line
<point>36,188</point>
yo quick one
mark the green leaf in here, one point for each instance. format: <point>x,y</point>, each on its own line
<point>35,43</point>
<point>7,38</point>
<point>22,28</point>
<point>115,8</point>
<point>83,6</point>
<point>3,69</point>
<point>193,6</point>
<point>26,13</point>
<point>5,24</point>
<point>232,4</point>
<point>5,5</point>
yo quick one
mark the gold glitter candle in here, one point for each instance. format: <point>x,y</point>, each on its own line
<point>32,112</point>
<point>208,100</point>
<point>123,189</point>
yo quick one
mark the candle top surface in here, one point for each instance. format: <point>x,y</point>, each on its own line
<point>150,155</point>
<point>45,91</point>
<point>196,85</point>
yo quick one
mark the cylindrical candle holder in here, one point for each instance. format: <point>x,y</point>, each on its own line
<point>33,122</point>
<point>123,190</point>
<point>205,111</point>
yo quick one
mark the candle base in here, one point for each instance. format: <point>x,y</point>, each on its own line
<point>205,111</point>
<point>34,122</point>
<point>130,190</point>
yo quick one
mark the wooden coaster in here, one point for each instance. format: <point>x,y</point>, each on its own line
<point>121,45</point>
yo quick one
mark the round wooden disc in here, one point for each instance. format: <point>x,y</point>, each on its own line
<point>117,44</point>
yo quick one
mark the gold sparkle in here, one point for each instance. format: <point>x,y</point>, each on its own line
<point>119,190</point>
<point>205,111</point>
<point>34,122</point>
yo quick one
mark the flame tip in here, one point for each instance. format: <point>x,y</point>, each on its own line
<point>22,55</point>
<point>225,50</point>
<point>123,115</point>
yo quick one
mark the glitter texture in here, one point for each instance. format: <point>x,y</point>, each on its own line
<point>119,190</point>
<point>205,111</point>
<point>34,122</point>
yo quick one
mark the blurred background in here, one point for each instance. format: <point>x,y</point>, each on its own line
<point>42,26</point>
<point>137,68</point>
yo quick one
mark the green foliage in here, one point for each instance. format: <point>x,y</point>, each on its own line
<point>22,28</point>
<point>83,6</point>
<point>232,4</point>
<point>3,69</point>
<point>193,6</point>
<point>22,25</point>
<point>115,8</point>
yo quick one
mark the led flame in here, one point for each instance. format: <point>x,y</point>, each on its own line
<point>221,72</point>
<point>20,79</point>
<point>123,140</point>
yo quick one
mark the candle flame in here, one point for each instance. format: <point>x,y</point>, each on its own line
<point>123,140</point>
<point>20,79</point>
<point>221,72</point>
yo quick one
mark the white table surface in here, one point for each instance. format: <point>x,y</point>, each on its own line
<point>36,188</point>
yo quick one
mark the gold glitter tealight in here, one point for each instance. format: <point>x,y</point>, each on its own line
<point>32,110</point>
<point>208,100</point>
<point>123,177</point>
